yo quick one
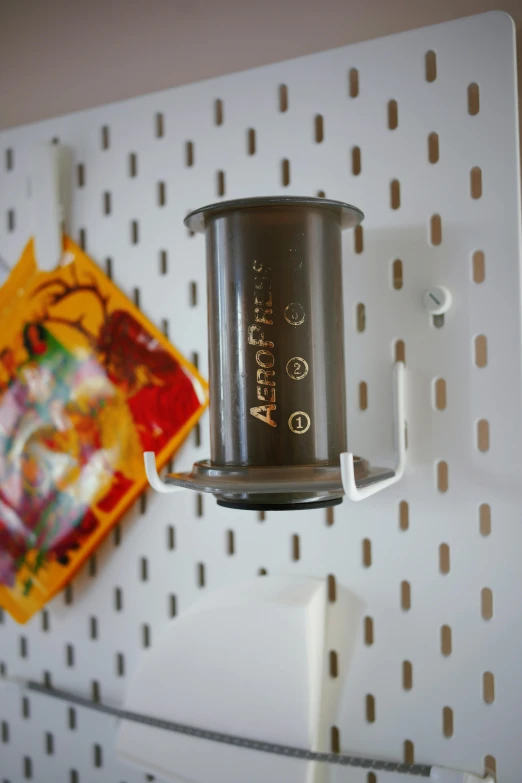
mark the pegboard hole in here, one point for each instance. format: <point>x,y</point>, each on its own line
<point>262,572</point>
<point>395,194</point>
<point>107,203</point>
<point>4,732</point>
<point>368,631</point>
<point>481,350</point>
<point>193,293</point>
<point>363,396</point>
<point>370,708</point>
<point>486,603</point>
<point>436,230</point>
<point>10,220</point>
<point>163,262</point>
<point>356,161</point>
<point>283,98</point>
<point>118,599</point>
<point>251,141</point>
<point>334,664</point>
<point>82,239</point>
<point>405,596</point>
<point>120,664</point>
<point>26,708</point>
<point>95,692</point>
<point>97,755</point>
<point>9,159</point>
<point>68,594</point>
<point>47,679</point>
<point>23,647</point>
<point>360,317</point>
<point>445,640</point>
<point>319,128</point>
<point>366,552</point>
<point>397,279</point>
<point>93,565</point>
<point>332,589</point>
<point>353,82</point>
<point>433,147</point>
<point>162,193</point>
<point>219,112</point>
<point>160,125</point>
<point>330,518</point>
<point>400,351</point>
<point>321,194</point>
<point>358,239</point>
<point>407,675</point>
<point>145,635</point>
<point>69,655</point>
<point>28,768</point>
<point>80,175</point>
<point>488,687</point>
<point>296,554</point>
<point>475,182</point>
<point>483,435</point>
<point>2,616</point>
<point>231,543</point>
<point>135,232</point>
<point>440,394</point>
<point>335,740</point>
<point>371,777</point>
<point>409,752</point>
<point>442,476</point>
<point>133,164</point>
<point>485,519</point>
<point>93,627</point>
<point>479,266</point>
<point>189,154</point>
<point>199,505</point>
<point>171,537</point>
<point>444,559</point>
<point>220,183</point>
<point>173,605</point>
<point>393,115</point>
<point>261,516</point>
<point>74,776</point>
<point>105,137</point>
<point>431,66</point>
<point>285,172</point>
<point>108,267</point>
<point>447,722</point>
<point>473,99</point>
<point>144,569</point>
<point>404,515</point>
<point>201,576</point>
<point>71,718</point>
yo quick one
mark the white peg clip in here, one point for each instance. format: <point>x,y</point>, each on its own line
<point>347,466</point>
<point>50,196</point>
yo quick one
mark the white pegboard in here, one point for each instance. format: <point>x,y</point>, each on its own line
<point>418,672</point>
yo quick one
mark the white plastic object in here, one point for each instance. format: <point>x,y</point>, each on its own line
<point>50,196</point>
<point>436,300</point>
<point>399,422</point>
<point>149,458</point>
<point>246,660</point>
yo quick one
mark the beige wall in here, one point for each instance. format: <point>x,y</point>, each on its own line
<point>57,56</point>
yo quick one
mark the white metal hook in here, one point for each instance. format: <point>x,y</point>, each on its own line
<point>351,490</point>
<point>151,470</point>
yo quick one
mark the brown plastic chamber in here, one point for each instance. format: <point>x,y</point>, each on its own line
<point>276,346</point>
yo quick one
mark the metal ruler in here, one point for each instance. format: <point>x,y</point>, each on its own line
<point>421,770</point>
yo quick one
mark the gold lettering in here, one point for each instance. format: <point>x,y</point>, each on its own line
<point>260,340</point>
<point>266,394</point>
<point>261,316</point>
<point>262,377</point>
<point>263,412</point>
<point>263,299</point>
<point>268,362</point>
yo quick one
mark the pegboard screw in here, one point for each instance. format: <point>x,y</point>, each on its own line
<point>436,300</point>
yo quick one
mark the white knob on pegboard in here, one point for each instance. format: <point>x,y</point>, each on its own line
<point>436,300</point>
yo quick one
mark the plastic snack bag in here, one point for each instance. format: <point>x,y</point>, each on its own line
<point>87,384</point>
